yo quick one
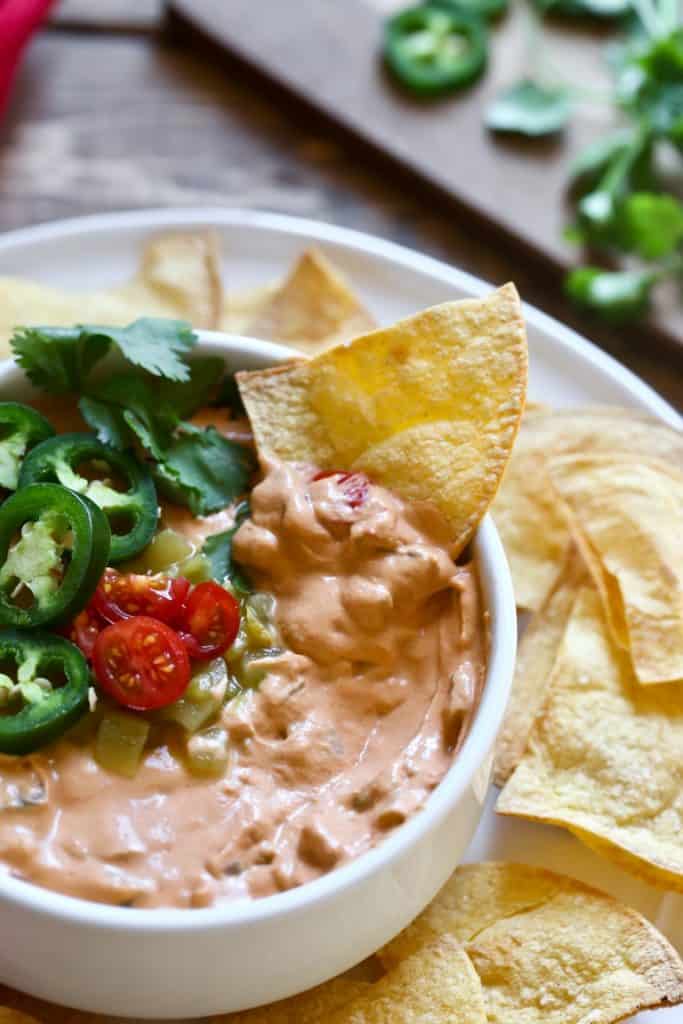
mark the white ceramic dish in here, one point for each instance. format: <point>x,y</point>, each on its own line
<point>565,370</point>
<point>178,963</point>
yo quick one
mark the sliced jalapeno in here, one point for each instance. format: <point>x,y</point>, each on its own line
<point>54,546</point>
<point>21,428</point>
<point>47,692</point>
<point>432,49</point>
<point>76,461</point>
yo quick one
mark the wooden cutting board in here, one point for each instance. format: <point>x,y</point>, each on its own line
<point>325,54</point>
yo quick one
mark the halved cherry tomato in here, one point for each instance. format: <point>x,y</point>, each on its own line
<point>142,663</point>
<point>354,486</point>
<point>85,629</point>
<point>123,595</point>
<point>211,621</point>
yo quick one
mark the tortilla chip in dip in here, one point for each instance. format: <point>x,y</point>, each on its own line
<point>627,515</point>
<point>178,277</point>
<point>312,310</point>
<point>536,656</point>
<point>10,1016</point>
<point>547,949</point>
<point>605,755</point>
<point>527,513</point>
<point>429,407</point>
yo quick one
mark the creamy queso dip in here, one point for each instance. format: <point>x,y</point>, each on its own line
<point>352,728</point>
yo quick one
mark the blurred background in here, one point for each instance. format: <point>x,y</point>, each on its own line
<point>286,105</point>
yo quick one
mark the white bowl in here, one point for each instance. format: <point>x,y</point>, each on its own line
<point>189,963</point>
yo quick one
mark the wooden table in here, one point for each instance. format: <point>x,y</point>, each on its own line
<point>108,115</point>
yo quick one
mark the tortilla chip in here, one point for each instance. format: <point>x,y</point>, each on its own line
<point>535,660</point>
<point>430,407</point>
<point>437,985</point>
<point>547,948</point>
<point>178,277</point>
<point>310,1007</point>
<point>530,521</point>
<point>313,310</point>
<point>627,516</point>
<point>242,306</point>
<point>605,755</point>
<point>182,273</point>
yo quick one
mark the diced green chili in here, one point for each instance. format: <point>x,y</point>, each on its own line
<point>120,742</point>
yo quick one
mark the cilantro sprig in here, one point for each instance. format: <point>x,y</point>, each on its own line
<point>145,404</point>
<point>627,216</point>
<point>624,210</point>
<point>59,359</point>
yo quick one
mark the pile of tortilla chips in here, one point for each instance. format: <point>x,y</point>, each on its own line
<point>500,944</point>
<point>180,276</point>
<point>591,512</point>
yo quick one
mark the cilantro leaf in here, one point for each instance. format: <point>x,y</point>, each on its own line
<point>652,224</point>
<point>152,343</point>
<point>57,359</point>
<point>616,295</point>
<point>528,108</point>
<point>107,421</point>
<point>204,470</point>
<point>218,550</point>
<point>186,397</point>
<point>586,169</point>
<point>600,210</point>
<point>141,409</point>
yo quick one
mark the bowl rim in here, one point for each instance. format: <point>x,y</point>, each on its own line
<point>473,757</point>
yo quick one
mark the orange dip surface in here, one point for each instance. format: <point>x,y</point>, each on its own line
<point>355,724</point>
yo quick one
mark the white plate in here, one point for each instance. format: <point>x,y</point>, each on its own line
<point>565,369</point>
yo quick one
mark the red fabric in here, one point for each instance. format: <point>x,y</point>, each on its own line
<point>18,20</point>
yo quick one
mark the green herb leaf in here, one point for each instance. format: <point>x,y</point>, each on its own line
<point>662,61</point>
<point>107,421</point>
<point>186,397</point>
<point>593,161</point>
<point>652,224</point>
<point>218,550</point>
<point>57,359</point>
<point>204,470</point>
<point>154,344</point>
<point>650,81</point>
<point>529,109</point>
<point>617,296</point>
<point>600,210</point>
<point>141,408</point>
<point>662,104</point>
